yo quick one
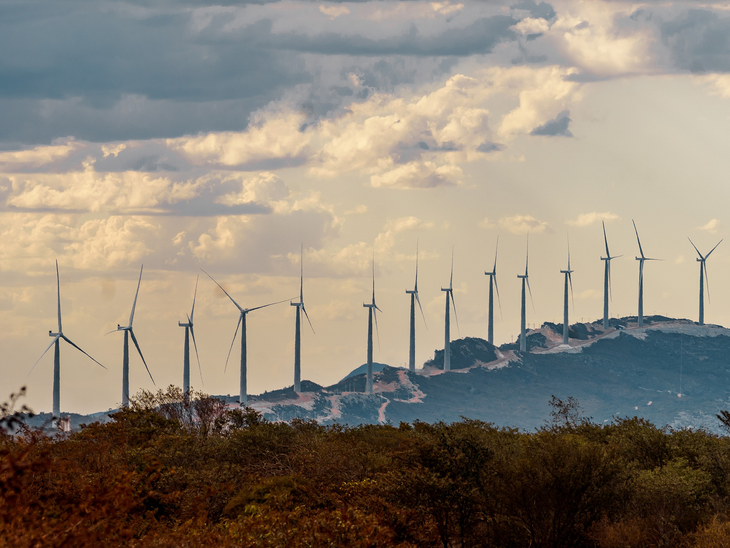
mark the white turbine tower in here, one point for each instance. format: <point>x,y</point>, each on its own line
<point>298,330</point>
<point>641,277</point>
<point>372,308</point>
<point>412,338</point>
<point>606,278</point>
<point>128,331</point>
<point>188,333</point>
<point>243,394</point>
<point>492,287</point>
<point>447,318</point>
<point>568,280</point>
<point>57,353</point>
<point>703,278</point>
<point>523,315</point>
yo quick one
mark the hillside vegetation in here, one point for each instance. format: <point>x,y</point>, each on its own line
<point>177,470</point>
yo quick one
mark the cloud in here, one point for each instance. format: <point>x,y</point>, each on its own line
<point>542,93</point>
<point>486,223</point>
<point>719,84</point>
<point>333,12</point>
<point>712,226</point>
<point>587,219</point>
<point>418,175</point>
<point>555,128</point>
<point>270,136</point>
<point>36,157</point>
<point>112,149</point>
<point>522,224</point>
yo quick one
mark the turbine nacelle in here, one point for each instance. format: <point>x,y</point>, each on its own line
<point>52,334</point>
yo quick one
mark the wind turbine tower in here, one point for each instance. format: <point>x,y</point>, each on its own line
<point>128,331</point>
<point>523,316</point>
<point>492,287</point>
<point>703,278</point>
<point>568,280</point>
<point>606,277</point>
<point>298,330</point>
<point>447,317</point>
<point>641,276</point>
<point>188,333</point>
<point>372,308</point>
<point>56,343</point>
<point>412,339</point>
<point>243,394</point>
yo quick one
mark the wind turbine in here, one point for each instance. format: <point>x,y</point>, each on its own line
<point>128,331</point>
<point>372,307</point>
<point>412,339</point>
<point>523,317</point>
<point>57,353</point>
<point>243,395</point>
<point>492,286</point>
<point>447,318</point>
<point>606,277</point>
<point>641,276</point>
<point>298,332</point>
<point>188,332</point>
<point>703,278</point>
<point>568,280</point>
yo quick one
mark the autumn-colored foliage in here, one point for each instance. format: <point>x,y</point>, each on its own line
<point>178,469</point>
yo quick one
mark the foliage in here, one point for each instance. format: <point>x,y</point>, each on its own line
<point>177,469</point>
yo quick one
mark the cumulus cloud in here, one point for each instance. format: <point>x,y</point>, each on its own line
<point>36,157</point>
<point>712,226</point>
<point>522,224</point>
<point>270,136</point>
<point>418,175</point>
<point>555,128</point>
<point>587,219</point>
<point>486,223</point>
<point>333,12</point>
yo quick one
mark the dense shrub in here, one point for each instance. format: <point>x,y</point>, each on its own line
<point>178,469</point>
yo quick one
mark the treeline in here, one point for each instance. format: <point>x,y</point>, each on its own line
<point>182,470</point>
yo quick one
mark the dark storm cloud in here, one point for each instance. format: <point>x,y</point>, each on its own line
<point>555,128</point>
<point>542,10</point>
<point>104,71</point>
<point>699,41</point>
<point>481,36</point>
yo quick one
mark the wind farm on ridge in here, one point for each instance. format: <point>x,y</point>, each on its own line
<point>372,320</point>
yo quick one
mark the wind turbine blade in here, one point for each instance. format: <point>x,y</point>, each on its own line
<point>134,304</point>
<point>421,308</point>
<point>494,269</point>
<point>377,331</point>
<point>69,341</point>
<point>572,298</point>
<point>195,295</point>
<point>697,250</point>
<point>707,282</point>
<point>234,340</point>
<point>456,317</point>
<point>451,280</point>
<point>713,249</point>
<point>112,331</point>
<point>610,292</point>
<point>301,274</point>
<point>415,286</point>
<point>195,345</point>
<point>265,305</point>
<point>530,290</point>
<point>641,251</point>
<point>568,252</point>
<point>58,287</point>
<point>44,353</point>
<point>307,316</point>
<point>605,239</point>
<point>224,291</point>
<point>527,254</point>
<point>136,344</point>
<point>499,300</point>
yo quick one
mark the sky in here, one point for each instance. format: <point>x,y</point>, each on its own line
<point>189,135</point>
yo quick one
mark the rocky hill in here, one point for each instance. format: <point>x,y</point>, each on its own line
<point>672,372</point>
